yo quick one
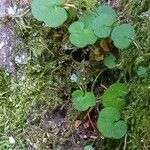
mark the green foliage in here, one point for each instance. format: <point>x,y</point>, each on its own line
<point>88,18</point>
<point>49,11</point>
<point>142,71</point>
<point>82,101</point>
<point>80,35</point>
<point>97,23</point>
<point>101,25</point>
<point>110,61</point>
<point>88,147</point>
<point>109,123</point>
<point>94,24</point>
<point>122,35</point>
<point>105,9</point>
<point>113,96</point>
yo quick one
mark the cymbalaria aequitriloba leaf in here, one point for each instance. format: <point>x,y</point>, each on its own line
<point>110,61</point>
<point>50,12</point>
<point>114,96</point>
<point>82,101</point>
<point>110,125</point>
<point>81,36</point>
<point>122,35</point>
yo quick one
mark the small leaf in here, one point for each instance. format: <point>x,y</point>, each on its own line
<point>82,101</point>
<point>122,35</point>
<point>110,61</point>
<point>119,129</point>
<point>80,35</point>
<point>76,27</point>
<point>105,9</point>
<point>141,71</point>
<point>110,125</point>
<point>49,11</point>
<point>101,25</point>
<point>88,19</point>
<point>88,147</point>
<point>113,96</point>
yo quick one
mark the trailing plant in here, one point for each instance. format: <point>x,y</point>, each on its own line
<point>109,121</point>
<point>96,24</point>
<point>100,23</point>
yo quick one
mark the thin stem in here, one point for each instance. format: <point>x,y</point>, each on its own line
<point>125,142</point>
<point>91,121</point>
<point>94,82</point>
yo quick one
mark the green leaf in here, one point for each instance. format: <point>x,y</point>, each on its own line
<point>80,35</point>
<point>56,2</point>
<point>88,19</point>
<point>110,125</point>
<point>119,129</point>
<point>105,9</point>
<point>49,12</point>
<point>102,25</point>
<point>76,27</point>
<point>113,96</point>
<point>122,35</point>
<point>110,61</point>
<point>82,101</point>
<point>141,71</point>
<point>88,147</point>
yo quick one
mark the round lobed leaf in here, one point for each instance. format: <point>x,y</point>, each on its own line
<point>76,27</point>
<point>81,36</point>
<point>88,19</point>
<point>113,96</point>
<point>119,129</point>
<point>122,35</point>
<point>102,25</point>
<point>110,61</point>
<point>49,12</point>
<point>82,101</point>
<point>105,9</point>
<point>110,125</point>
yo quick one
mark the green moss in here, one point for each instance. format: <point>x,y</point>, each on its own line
<point>38,88</point>
<point>138,54</point>
<point>44,83</point>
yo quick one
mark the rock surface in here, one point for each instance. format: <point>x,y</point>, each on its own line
<point>6,38</point>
